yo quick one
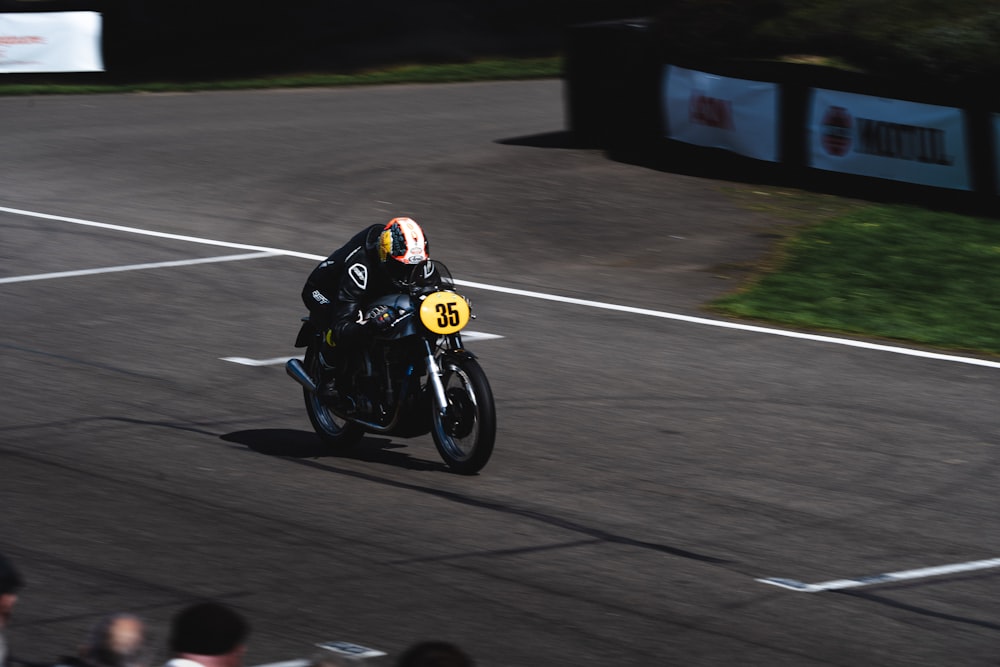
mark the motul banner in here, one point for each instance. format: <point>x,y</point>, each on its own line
<point>721,112</point>
<point>885,138</point>
<point>50,42</point>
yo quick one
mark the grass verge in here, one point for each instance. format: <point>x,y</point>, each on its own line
<point>481,70</point>
<point>890,271</point>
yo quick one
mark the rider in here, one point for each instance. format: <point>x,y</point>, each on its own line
<point>373,263</point>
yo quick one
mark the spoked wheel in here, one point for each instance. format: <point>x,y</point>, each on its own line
<point>464,434</point>
<point>333,430</point>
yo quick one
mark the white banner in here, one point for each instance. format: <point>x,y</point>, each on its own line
<point>885,138</point>
<point>50,42</point>
<point>720,112</point>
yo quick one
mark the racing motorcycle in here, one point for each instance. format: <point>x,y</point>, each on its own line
<point>413,378</point>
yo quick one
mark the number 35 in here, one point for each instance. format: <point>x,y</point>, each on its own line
<point>448,316</point>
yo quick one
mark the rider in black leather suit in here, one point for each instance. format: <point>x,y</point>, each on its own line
<point>372,264</point>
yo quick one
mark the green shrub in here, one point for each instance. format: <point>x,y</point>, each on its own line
<point>962,51</point>
<point>951,41</point>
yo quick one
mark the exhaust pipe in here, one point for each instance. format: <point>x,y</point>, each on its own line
<point>297,372</point>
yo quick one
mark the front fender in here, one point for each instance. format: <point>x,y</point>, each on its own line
<point>460,354</point>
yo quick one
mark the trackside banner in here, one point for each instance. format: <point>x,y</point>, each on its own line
<point>721,112</point>
<point>884,138</point>
<point>50,42</point>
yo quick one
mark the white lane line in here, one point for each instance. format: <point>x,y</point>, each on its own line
<point>888,577</point>
<point>734,325</point>
<point>138,267</point>
<point>548,297</point>
<point>479,335</point>
<point>161,235</point>
<point>274,361</point>
<point>245,361</point>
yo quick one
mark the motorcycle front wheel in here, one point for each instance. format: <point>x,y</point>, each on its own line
<point>332,430</point>
<point>464,432</point>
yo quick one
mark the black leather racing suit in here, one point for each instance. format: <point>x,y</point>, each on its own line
<point>340,287</point>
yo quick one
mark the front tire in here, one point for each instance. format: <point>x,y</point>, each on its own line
<point>465,433</point>
<point>332,430</point>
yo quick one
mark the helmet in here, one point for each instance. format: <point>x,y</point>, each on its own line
<point>401,244</point>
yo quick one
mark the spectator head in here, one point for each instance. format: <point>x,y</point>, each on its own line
<point>118,640</point>
<point>10,584</point>
<point>434,654</point>
<point>210,633</point>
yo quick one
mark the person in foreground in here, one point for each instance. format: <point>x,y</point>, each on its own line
<point>374,262</point>
<point>117,640</point>
<point>208,634</point>
<point>434,654</point>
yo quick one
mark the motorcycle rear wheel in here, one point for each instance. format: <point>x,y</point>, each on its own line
<point>332,430</point>
<point>464,435</point>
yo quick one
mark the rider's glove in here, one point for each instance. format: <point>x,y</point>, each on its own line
<point>380,317</point>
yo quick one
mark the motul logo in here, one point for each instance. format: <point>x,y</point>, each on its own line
<point>836,131</point>
<point>710,111</point>
<point>841,133</point>
<point>903,142</point>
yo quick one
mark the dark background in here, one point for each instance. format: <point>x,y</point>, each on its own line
<point>224,37</point>
<point>952,42</point>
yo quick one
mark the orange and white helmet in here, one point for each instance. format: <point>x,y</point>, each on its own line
<point>402,240</point>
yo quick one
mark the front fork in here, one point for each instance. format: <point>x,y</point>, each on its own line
<point>434,377</point>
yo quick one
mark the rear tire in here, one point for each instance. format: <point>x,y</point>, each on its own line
<point>465,434</point>
<point>334,431</point>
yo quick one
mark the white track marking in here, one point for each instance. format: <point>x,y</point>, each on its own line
<point>350,651</point>
<point>478,335</point>
<point>734,325</point>
<point>161,235</point>
<point>541,295</point>
<point>138,267</point>
<point>886,578</point>
<point>244,361</point>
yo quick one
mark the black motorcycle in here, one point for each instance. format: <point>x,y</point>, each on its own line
<point>415,377</point>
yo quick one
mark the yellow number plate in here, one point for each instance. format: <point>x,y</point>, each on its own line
<point>444,312</point>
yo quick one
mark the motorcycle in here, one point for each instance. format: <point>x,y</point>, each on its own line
<point>415,377</point>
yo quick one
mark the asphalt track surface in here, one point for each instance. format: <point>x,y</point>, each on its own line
<point>649,471</point>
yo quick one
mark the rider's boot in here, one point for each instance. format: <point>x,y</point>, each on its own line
<point>330,362</point>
